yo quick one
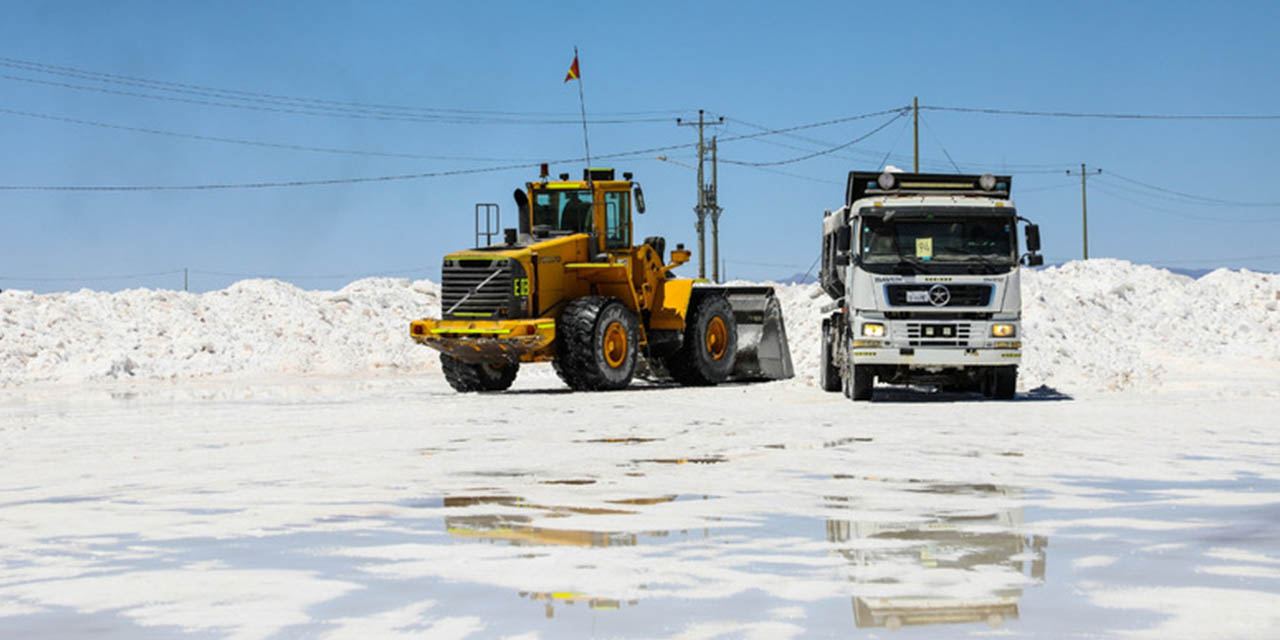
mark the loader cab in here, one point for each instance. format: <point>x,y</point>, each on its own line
<point>598,205</point>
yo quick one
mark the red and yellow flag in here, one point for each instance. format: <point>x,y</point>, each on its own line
<point>573,69</point>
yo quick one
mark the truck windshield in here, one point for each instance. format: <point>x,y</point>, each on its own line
<point>563,210</point>
<point>926,240</point>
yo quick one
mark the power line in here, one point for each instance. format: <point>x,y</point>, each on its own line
<point>437,174</point>
<point>1192,196</point>
<point>1114,116</point>
<point>94,278</point>
<point>234,94</point>
<point>325,182</point>
<point>360,114</point>
<point>255,143</point>
<point>940,146</point>
<point>1110,190</point>
<point>824,151</point>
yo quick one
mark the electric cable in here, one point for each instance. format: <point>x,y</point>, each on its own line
<point>821,152</point>
<point>255,143</point>
<point>1190,196</point>
<point>1114,116</point>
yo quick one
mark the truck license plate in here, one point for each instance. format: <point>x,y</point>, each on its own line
<point>917,296</point>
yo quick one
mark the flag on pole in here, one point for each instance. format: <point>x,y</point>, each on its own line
<point>573,69</point>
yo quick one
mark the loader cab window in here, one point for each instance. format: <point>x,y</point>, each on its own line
<point>563,210</point>
<point>617,220</point>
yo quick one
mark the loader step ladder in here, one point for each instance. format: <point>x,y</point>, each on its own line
<point>492,214</point>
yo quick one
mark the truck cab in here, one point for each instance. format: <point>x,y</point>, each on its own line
<point>924,272</point>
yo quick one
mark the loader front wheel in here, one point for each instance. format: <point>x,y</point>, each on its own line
<point>598,340</point>
<point>465,377</point>
<point>710,343</point>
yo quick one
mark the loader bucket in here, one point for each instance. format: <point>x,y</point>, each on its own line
<point>763,352</point>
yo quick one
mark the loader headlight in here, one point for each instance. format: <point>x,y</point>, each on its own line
<point>873,329</point>
<point>1003,330</point>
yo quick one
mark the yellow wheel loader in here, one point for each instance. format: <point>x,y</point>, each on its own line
<point>569,286</point>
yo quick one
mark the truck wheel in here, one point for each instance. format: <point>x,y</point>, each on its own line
<point>598,339</point>
<point>861,384</point>
<point>710,343</point>
<point>466,377</point>
<point>1004,383</point>
<point>828,374</point>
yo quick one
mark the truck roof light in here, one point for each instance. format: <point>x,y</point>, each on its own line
<point>987,182</point>
<point>886,180</point>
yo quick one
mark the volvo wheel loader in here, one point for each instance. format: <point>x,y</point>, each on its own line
<point>569,286</point>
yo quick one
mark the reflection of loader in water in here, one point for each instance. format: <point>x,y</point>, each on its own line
<point>966,542</point>
<point>515,530</point>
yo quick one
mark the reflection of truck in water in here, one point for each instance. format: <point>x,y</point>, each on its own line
<point>924,272</point>
<point>908,570</point>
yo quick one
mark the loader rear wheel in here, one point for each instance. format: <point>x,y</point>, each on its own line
<point>465,377</point>
<point>598,339</point>
<point>710,343</point>
<point>828,374</point>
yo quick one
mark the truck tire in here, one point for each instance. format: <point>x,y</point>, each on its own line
<point>1004,383</point>
<point>862,383</point>
<point>465,377</point>
<point>705,358</point>
<point>598,339</point>
<point>828,373</point>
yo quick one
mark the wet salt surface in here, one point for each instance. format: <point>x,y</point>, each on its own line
<point>385,509</point>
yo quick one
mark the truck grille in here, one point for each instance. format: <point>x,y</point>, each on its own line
<point>960,295</point>
<point>920,334</point>
<point>475,288</point>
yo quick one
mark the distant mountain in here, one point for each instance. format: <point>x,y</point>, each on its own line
<point>800,278</point>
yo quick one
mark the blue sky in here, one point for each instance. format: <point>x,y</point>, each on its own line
<point>645,63</point>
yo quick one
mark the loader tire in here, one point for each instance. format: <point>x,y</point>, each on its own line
<point>710,344</point>
<point>465,377</point>
<point>828,374</point>
<point>598,344</point>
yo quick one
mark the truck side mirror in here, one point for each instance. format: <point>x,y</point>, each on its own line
<point>639,199</point>
<point>844,237</point>
<point>842,259</point>
<point>1033,238</point>
<point>1035,260</point>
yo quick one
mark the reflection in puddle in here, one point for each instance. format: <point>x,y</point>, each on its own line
<point>910,553</point>
<point>946,569</point>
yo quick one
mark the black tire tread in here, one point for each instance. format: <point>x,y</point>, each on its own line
<point>689,365</point>
<point>575,360</point>
<point>466,377</point>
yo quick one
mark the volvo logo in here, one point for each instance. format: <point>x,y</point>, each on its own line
<point>939,295</point>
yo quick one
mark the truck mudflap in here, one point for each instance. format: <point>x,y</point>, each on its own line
<point>763,351</point>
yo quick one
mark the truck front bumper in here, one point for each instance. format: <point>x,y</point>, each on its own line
<point>480,341</point>
<point>936,356</point>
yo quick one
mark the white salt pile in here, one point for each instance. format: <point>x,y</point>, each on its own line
<point>1089,326</point>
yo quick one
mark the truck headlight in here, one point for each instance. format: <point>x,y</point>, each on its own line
<point>873,329</point>
<point>1004,330</point>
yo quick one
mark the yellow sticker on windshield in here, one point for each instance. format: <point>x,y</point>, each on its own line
<point>924,248</point>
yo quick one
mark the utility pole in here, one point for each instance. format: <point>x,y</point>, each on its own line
<point>713,206</point>
<point>915,121</point>
<point>705,204</point>
<point>1084,205</point>
<point>184,279</point>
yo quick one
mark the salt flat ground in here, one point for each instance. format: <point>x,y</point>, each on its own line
<point>365,506</point>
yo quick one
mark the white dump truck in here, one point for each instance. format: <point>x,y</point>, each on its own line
<point>924,274</point>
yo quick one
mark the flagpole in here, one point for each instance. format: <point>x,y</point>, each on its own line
<point>581,102</point>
